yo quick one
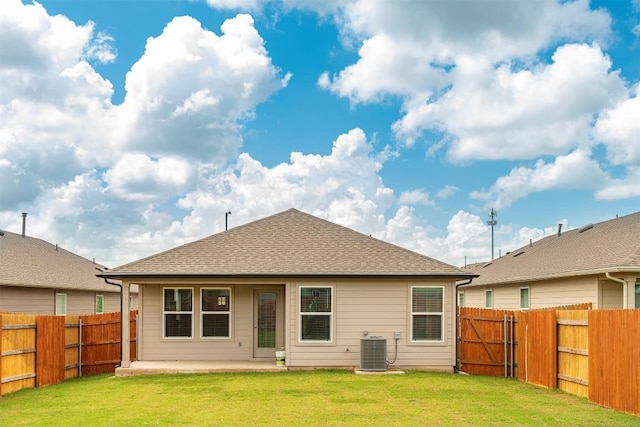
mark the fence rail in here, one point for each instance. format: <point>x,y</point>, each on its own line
<point>591,353</point>
<point>38,350</point>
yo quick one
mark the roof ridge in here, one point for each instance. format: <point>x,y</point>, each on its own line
<point>291,242</point>
<point>197,241</point>
<point>380,241</point>
<point>58,247</point>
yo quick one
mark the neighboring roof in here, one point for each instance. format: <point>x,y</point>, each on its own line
<point>609,246</point>
<point>288,244</point>
<point>30,262</point>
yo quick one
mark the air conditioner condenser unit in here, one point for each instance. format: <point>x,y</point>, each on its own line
<point>373,354</point>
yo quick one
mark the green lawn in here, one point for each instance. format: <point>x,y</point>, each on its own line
<point>302,398</point>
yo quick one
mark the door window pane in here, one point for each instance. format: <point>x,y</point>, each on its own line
<point>266,320</point>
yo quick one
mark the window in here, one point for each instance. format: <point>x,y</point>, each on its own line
<point>178,312</point>
<point>488,298</point>
<point>427,314</point>
<point>524,298</point>
<point>316,313</point>
<point>99,304</point>
<point>216,312</point>
<point>61,304</point>
<point>637,294</point>
<point>461,299</point>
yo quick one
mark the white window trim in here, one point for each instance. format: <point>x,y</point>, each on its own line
<point>55,309</point>
<point>164,332</point>
<point>488,292</point>
<point>429,313</point>
<point>331,314</point>
<point>99,297</point>
<point>461,299</point>
<point>528,298</point>
<point>202,312</point>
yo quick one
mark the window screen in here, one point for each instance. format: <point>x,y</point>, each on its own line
<point>427,313</point>
<point>216,312</point>
<point>178,313</point>
<point>316,313</point>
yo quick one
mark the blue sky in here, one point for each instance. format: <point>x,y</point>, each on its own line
<point>129,127</point>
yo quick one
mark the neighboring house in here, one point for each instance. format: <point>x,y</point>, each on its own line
<point>37,277</point>
<point>295,282</point>
<point>598,264</point>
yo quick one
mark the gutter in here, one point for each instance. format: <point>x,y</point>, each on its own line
<point>625,296</point>
<point>469,280</point>
<point>121,315</point>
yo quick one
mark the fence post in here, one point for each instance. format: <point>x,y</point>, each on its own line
<point>0,355</point>
<point>504,323</point>
<point>79,346</point>
<point>512,344</point>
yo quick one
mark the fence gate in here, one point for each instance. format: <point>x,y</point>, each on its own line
<point>486,341</point>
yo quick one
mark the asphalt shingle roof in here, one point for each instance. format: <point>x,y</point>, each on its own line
<point>612,245</point>
<point>290,243</point>
<point>31,262</point>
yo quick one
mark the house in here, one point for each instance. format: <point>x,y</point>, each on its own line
<point>597,264</point>
<point>297,283</point>
<point>38,277</point>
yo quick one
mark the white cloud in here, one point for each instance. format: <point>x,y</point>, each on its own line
<point>407,47</point>
<point>447,191</point>
<point>101,49</point>
<point>136,177</point>
<point>622,188</point>
<point>192,82</point>
<point>344,186</point>
<point>415,197</point>
<point>619,128</point>
<point>235,4</point>
<point>504,114</point>
<point>573,171</point>
<point>196,102</point>
<point>187,97</point>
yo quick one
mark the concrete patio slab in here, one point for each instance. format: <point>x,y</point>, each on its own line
<point>197,367</point>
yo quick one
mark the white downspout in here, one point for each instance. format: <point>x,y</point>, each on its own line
<point>125,347</point>
<point>625,291</point>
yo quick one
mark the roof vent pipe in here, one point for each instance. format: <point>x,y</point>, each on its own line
<point>24,223</point>
<point>559,229</point>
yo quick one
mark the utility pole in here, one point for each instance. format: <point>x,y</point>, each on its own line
<point>492,221</point>
<point>226,220</point>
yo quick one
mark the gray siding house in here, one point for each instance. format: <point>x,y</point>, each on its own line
<point>38,277</point>
<point>297,283</point>
<point>598,264</point>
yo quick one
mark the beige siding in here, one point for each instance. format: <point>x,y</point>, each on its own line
<point>542,294</point>
<point>15,299</point>
<point>152,345</point>
<point>380,308</point>
<point>612,294</point>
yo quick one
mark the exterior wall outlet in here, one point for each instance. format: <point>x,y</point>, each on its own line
<point>396,335</point>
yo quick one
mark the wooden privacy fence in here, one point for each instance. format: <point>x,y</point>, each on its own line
<point>591,353</point>
<point>38,350</point>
